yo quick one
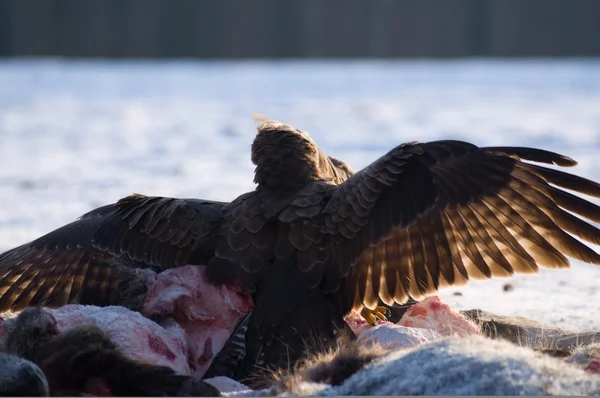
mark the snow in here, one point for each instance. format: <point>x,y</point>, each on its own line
<point>78,134</point>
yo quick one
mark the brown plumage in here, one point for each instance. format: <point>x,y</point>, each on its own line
<point>314,240</point>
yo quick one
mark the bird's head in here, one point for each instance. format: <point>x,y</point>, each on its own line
<point>287,158</point>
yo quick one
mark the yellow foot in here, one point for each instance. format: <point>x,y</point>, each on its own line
<point>371,316</point>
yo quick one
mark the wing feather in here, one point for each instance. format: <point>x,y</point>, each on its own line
<point>441,213</point>
<point>86,261</point>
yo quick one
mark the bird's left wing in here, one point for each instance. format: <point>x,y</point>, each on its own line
<point>441,213</point>
<point>95,259</point>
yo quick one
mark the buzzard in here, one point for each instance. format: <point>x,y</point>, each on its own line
<point>314,240</point>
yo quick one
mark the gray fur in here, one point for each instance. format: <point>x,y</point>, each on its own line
<point>463,366</point>
<point>20,377</point>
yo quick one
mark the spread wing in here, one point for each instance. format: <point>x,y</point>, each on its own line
<point>96,259</point>
<point>436,214</point>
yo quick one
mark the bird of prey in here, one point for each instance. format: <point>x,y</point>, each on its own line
<point>314,240</point>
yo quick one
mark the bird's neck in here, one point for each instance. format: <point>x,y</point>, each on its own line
<point>285,175</point>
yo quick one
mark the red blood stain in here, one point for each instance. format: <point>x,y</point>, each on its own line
<point>180,344</point>
<point>181,306</point>
<point>190,359</point>
<point>234,285</point>
<point>207,355</point>
<point>159,347</point>
<point>435,306</point>
<point>593,367</point>
<point>191,364</point>
<point>417,310</point>
<point>96,387</point>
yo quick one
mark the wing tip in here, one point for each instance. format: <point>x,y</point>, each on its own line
<point>565,161</point>
<point>535,155</point>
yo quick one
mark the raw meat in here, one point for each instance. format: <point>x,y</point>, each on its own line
<point>185,321</point>
<point>433,314</point>
<point>395,337</point>
<point>81,359</point>
<point>193,319</point>
<point>427,320</point>
<point>206,312</point>
<point>136,336</point>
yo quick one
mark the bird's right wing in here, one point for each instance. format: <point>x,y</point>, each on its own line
<point>440,213</point>
<point>94,259</point>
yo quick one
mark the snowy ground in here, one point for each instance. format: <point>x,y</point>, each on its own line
<point>75,135</point>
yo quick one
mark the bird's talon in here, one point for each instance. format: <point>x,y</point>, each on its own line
<point>371,316</point>
<point>382,312</point>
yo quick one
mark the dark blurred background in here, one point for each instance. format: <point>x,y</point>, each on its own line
<point>299,28</point>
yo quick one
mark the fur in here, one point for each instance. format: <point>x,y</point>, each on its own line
<point>459,366</point>
<point>21,378</point>
<point>331,367</point>
<point>84,359</point>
